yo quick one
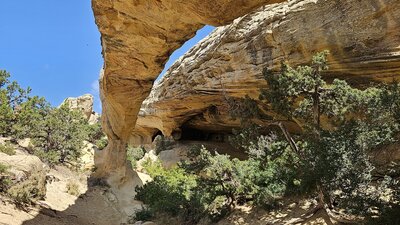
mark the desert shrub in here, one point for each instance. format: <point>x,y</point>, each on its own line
<point>50,157</point>
<point>153,168</point>
<point>30,190</point>
<point>95,132</point>
<point>237,181</point>
<point>208,185</point>
<point>134,154</point>
<point>143,215</point>
<point>5,181</point>
<point>218,209</point>
<point>218,175</point>
<point>102,143</point>
<point>3,168</point>
<point>73,188</point>
<point>243,138</point>
<point>57,133</point>
<point>6,114</point>
<point>388,208</point>
<point>7,149</point>
<point>171,191</point>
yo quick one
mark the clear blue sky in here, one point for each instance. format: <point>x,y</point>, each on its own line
<point>54,47</point>
<point>202,33</point>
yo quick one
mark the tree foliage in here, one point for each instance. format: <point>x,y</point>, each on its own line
<point>329,160</point>
<point>11,96</point>
<point>60,135</point>
<point>134,154</point>
<point>211,185</point>
<point>57,133</point>
<point>341,126</point>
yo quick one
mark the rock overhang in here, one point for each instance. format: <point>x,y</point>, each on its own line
<point>362,38</point>
<point>137,38</point>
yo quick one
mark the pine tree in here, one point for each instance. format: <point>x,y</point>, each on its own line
<point>333,154</point>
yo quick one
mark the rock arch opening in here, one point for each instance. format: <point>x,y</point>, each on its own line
<point>200,34</point>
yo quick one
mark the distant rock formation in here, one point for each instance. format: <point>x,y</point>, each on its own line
<point>84,104</point>
<point>362,36</point>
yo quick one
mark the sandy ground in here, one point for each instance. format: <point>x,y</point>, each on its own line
<point>244,215</point>
<point>100,206</point>
<point>93,206</point>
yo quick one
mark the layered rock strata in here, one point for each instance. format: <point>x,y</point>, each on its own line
<point>362,36</point>
<point>137,38</point>
<point>83,104</point>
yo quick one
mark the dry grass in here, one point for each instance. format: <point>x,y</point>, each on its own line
<point>7,149</point>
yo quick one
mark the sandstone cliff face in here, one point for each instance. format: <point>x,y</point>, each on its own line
<point>362,36</point>
<point>138,37</point>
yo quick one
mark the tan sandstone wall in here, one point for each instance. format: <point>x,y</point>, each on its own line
<point>363,38</point>
<point>137,38</point>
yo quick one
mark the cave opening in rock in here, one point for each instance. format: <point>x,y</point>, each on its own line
<point>192,134</point>
<point>200,34</point>
<point>155,135</point>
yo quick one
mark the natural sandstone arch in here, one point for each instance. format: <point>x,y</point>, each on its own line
<point>137,38</point>
<point>362,36</point>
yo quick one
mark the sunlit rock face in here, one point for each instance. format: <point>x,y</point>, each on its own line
<point>137,37</point>
<point>362,36</point>
<point>83,104</point>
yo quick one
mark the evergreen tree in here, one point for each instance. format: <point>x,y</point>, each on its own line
<point>341,125</point>
<point>29,117</point>
<point>11,96</point>
<point>60,135</point>
<point>57,133</point>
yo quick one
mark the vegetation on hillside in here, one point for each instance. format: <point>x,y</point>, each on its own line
<point>134,154</point>
<point>57,134</point>
<point>4,178</point>
<point>30,190</point>
<point>328,161</point>
<point>7,148</point>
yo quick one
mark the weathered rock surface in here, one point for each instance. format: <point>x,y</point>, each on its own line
<point>362,36</point>
<point>84,104</point>
<point>94,118</point>
<point>137,39</point>
<point>87,156</point>
<point>22,164</point>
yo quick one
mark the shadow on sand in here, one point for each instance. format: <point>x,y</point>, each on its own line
<point>99,205</point>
